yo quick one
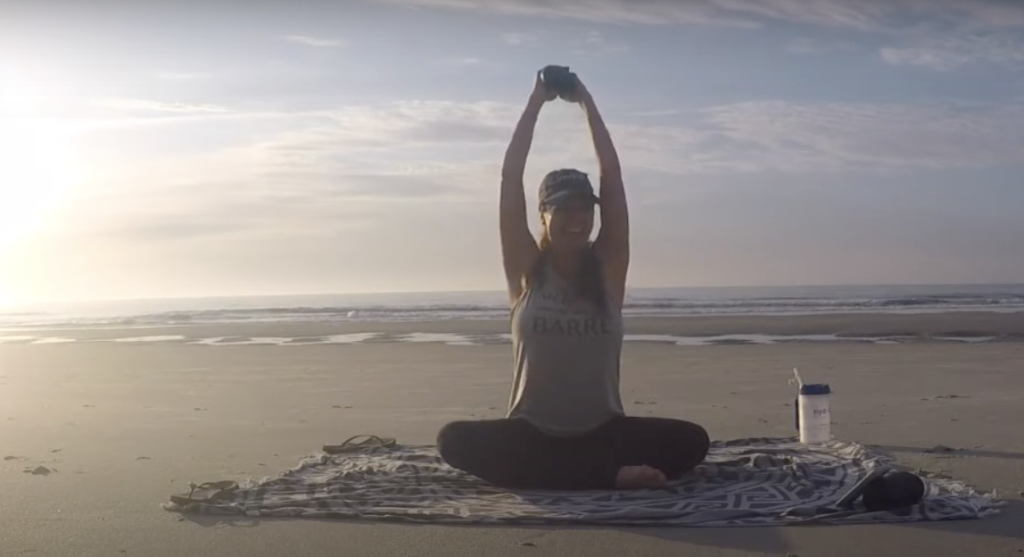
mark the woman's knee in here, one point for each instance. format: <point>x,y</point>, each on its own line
<point>466,444</point>
<point>681,435</point>
<point>452,441</point>
<point>693,443</point>
<point>698,439</point>
<point>685,448</point>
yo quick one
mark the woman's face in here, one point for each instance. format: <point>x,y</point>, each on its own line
<point>570,224</point>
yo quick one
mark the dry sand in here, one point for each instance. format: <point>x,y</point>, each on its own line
<point>126,424</point>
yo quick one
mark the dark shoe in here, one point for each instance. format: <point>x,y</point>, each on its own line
<point>893,491</point>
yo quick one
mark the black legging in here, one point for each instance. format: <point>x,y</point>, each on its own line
<point>514,454</point>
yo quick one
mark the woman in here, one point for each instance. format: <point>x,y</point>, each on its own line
<point>566,428</point>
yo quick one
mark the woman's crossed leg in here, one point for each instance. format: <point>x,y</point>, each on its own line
<point>625,452</point>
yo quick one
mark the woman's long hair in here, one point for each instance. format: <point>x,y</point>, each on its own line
<point>588,282</point>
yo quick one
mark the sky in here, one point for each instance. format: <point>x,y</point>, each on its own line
<point>158,149</point>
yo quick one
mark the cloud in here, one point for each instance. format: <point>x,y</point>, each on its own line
<point>429,140</point>
<point>466,61</point>
<point>460,144</point>
<point>349,195</point>
<point>178,76</point>
<point>595,42</point>
<point>952,52</point>
<point>314,41</point>
<point>159,106</point>
<point>645,12</point>
<point>858,14</point>
<point>409,151</point>
<point>815,138</point>
<point>519,38</point>
<point>805,45</point>
<point>330,171</point>
<point>302,203</point>
<point>339,170</point>
<point>799,137</point>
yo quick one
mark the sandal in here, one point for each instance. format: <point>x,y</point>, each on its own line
<point>367,442</point>
<point>207,492</point>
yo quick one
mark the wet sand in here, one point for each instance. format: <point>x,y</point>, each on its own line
<point>908,327</point>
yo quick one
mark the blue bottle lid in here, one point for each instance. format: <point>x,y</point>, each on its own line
<point>815,389</point>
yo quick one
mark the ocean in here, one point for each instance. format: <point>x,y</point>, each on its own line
<point>330,308</point>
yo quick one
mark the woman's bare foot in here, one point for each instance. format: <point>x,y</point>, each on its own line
<point>638,477</point>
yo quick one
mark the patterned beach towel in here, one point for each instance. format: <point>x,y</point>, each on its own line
<point>745,482</point>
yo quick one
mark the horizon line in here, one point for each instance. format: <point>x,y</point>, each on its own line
<point>498,291</point>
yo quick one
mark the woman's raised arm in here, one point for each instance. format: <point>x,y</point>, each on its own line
<point>518,247</point>
<point>612,242</point>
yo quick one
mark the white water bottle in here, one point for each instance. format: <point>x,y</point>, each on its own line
<point>813,412</point>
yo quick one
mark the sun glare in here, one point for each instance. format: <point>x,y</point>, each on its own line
<point>35,161</point>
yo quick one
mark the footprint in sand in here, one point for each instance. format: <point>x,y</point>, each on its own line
<point>942,449</point>
<point>200,409</point>
<point>9,458</point>
<point>40,471</point>
<point>55,451</point>
<point>143,458</point>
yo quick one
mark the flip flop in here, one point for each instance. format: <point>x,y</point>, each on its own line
<point>207,492</point>
<point>365,442</point>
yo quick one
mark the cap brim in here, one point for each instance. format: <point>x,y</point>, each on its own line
<point>566,196</point>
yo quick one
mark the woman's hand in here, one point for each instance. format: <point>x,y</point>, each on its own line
<point>541,94</point>
<point>578,94</point>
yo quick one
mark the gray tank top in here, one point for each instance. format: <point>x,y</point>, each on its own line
<point>566,355</point>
